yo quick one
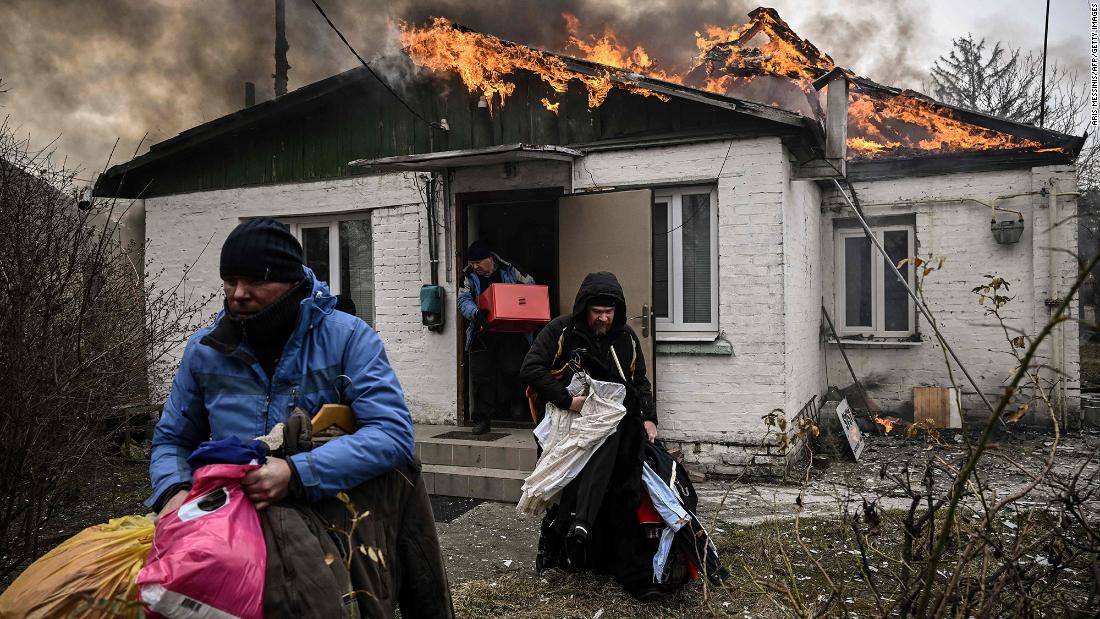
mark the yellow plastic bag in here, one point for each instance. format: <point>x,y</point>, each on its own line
<point>91,574</point>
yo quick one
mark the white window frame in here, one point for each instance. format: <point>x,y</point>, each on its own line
<point>672,328</point>
<point>332,222</point>
<point>878,290</point>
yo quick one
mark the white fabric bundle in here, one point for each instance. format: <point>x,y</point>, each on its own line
<point>569,439</point>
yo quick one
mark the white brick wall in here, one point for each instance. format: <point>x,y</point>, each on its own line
<point>960,232</point>
<point>713,399</point>
<point>775,263</point>
<point>802,280</point>
<point>189,229</point>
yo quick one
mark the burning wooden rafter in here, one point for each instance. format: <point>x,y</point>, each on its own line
<point>883,121</point>
<point>786,54</point>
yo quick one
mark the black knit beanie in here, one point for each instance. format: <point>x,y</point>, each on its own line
<point>602,300</point>
<point>477,250</point>
<point>262,249</point>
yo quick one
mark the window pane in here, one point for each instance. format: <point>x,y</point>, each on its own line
<point>660,259</point>
<point>357,267</point>
<point>857,282</point>
<point>315,246</point>
<point>895,299</point>
<point>696,244</point>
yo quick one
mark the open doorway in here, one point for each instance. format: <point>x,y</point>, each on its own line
<point>522,228</point>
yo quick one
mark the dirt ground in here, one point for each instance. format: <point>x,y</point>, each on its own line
<point>489,548</point>
<point>492,539</point>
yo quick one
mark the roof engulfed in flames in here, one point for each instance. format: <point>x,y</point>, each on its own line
<point>879,125</point>
<point>485,63</point>
<point>762,61</point>
<point>881,121</point>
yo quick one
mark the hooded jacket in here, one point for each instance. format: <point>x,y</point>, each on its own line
<point>471,290</point>
<point>221,390</point>
<point>546,367</point>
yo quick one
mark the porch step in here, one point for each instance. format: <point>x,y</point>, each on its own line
<point>468,466</point>
<point>452,452</point>
<point>474,482</point>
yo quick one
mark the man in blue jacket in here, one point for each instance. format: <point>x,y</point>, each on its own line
<point>278,346</point>
<point>494,358</point>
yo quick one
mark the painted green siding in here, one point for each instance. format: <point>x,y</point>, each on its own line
<point>316,139</point>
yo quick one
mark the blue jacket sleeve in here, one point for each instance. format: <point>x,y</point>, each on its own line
<point>384,440</point>
<point>467,304</point>
<point>182,427</point>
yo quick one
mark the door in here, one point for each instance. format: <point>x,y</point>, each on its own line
<point>610,231</point>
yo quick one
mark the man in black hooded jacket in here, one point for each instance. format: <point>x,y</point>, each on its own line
<point>595,524</point>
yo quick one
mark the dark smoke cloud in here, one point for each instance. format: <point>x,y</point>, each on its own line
<point>878,41</point>
<point>94,71</point>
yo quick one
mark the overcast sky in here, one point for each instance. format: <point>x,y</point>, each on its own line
<point>90,71</point>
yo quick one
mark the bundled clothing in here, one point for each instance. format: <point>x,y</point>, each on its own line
<point>569,440</point>
<point>683,538</point>
<point>394,551</point>
<point>595,524</point>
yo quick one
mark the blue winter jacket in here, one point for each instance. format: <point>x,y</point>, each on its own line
<point>471,290</point>
<point>217,395</point>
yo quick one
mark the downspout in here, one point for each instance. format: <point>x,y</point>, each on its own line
<point>448,223</point>
<point>433,240</point>
<point>1058,359</point>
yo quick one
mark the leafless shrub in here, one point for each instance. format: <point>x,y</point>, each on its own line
<point>1003,81</point>
<point>84,339</point>
<point>966,545</point>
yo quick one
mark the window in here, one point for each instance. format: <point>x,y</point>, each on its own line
<point>340,252</point>
<point>685,263</point>
<point>870,301</point>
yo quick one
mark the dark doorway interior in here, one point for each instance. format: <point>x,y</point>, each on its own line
<point>521,227</point>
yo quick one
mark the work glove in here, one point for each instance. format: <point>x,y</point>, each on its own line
<point>481,318</point>
<point>297,435</point>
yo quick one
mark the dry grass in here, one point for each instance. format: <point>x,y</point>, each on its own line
<point>763,560</point>
<point>560,595</point>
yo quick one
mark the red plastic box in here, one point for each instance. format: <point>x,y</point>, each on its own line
<point>516,308</point>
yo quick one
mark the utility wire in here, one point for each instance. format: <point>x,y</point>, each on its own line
<point>368,67</point>
<point>698,209</point>
<point>1043,81</point>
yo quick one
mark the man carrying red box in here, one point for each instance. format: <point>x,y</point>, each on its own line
<point>494,357</point>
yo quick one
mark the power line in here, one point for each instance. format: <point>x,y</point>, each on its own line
<point>368,67</point>
<point>699,208</point>
<point>1043,81</point>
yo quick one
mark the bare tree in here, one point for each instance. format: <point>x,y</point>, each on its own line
<point>84,342</point>
<point>1005,82</point>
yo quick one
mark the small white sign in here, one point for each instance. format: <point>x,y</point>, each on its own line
<point>851,428</point>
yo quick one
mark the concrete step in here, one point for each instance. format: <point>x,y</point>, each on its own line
<point>513,451</point>
<point>474,482</point>
<point>490,467</point>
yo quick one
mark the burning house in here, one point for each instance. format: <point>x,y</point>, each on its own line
<point>713,195</point>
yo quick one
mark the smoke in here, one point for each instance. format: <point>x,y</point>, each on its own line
<point>879,41</point>
<point>91,72</point>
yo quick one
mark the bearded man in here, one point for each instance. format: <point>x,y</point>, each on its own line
<point>595,524</point>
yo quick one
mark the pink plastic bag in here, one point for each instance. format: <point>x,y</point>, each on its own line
<point>208,557</point>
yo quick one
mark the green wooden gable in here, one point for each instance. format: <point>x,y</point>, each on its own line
<point>313,132</point>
